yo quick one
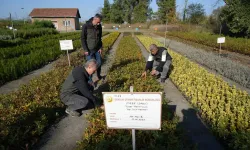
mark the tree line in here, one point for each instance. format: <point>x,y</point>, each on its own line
<point>231,19</point>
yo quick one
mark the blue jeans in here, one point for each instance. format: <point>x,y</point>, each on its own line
<point>97,56</point>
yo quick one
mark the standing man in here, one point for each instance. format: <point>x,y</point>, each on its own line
<point>159,62</point>
<point>76,93</point>
<point>91,39</point>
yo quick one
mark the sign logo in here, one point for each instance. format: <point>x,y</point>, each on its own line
<point>109,99</point>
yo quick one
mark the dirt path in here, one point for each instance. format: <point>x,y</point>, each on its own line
<point>195,129</point>
<point>65,134</point>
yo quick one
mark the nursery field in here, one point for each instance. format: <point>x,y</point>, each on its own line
<point>27,113</point>
<point>238,45</point>
<point>34,53</point>
<point>224,108</point>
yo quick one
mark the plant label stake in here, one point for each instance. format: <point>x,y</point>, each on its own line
<point>66,45</point>
<point>133,130</point>
<point>221,40</point>
<point>133,110</point>
<point>68,57</point>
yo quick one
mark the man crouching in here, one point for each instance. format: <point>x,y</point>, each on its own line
<point>76,92</point>
<point>159,62</point>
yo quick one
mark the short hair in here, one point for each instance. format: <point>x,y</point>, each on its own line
<point>98,16</point>
<point>152,47</point>
<point>90,63</point>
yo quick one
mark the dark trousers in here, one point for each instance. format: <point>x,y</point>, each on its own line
<point>97,56</point>
<point>75,102</point>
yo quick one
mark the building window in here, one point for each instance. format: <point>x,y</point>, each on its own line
<point>66,23</point>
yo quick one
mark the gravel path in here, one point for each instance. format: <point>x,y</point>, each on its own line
<point>195,129</point>
<point>65,134</point>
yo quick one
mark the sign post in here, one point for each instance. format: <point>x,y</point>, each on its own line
<point>133,130</point>
<point>221,40</point>
<point>133,110</point>
<point>66,45</point>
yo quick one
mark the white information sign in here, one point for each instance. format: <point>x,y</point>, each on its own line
<point>133,110</point>
<point>66,44</point>
<point>221,40</point>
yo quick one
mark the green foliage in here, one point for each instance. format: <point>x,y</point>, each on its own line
<point>106,11</point>
<point>5,34</point>
<point>129,11</point>
<point>97,136</point>
<point>116,15</point>
<point>214,21</point>
<point>40,24</point>
<point>239,45</point>
<point>235,15</point>
<point>140,11</point>
<point>196,13</point>
<point>35,32</point>
<point>166,10</point>
<point>26,113</point>
<point>20,60</point>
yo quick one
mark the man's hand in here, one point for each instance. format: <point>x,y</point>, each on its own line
<point>86,53</point>
<point>100,51</point>
<point>153,72</point>
<point>102,107</point>
<point>144,74</point>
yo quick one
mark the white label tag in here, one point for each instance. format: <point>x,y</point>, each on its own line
<point>150,58</point>
<point>66,44</point>
<point>221,40</point>
<point>163,56</point>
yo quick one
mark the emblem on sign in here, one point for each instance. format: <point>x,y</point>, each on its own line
<point>109,99</point>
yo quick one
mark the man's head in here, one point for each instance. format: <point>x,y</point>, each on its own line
<point>153,49</point>
<point>97,19</point>
<point>91,66</point>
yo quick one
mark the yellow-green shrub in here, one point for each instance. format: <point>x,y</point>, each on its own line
<point>225,108</point>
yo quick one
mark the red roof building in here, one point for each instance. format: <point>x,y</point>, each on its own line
<point>64,19</point>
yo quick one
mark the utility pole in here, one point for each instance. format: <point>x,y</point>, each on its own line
<point>12,26</point>
<point>23,17</point>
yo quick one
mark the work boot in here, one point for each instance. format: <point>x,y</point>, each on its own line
<point>163,80</point>
<point>72,113</point>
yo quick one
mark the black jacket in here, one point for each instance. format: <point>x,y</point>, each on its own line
<point>77,83</point>
<point>161,56</point>
<point>91,36</point>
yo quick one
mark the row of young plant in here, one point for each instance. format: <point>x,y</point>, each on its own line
<point>36,43</point>
<point>33,45</point>
<point>239,45</point>
<point>26,113</point>
<point>125,72</point>
<point>43,53</point>
<point>14,68</point>
<point>36,32</point>
<point>226,67</point>
<point>224,108</point>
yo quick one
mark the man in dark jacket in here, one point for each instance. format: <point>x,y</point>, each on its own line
<point>76,91</point>
<point>91,39</point>
<point>159,62</point>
